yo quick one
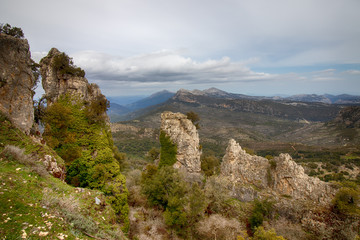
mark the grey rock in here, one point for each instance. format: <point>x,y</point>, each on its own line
<point>280,177</point>
<point>185,135</point>
<point>16,82</point>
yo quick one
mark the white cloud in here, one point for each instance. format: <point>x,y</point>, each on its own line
<point>352,72</point>
<point>164,66</point>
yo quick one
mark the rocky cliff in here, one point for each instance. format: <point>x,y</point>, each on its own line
<point>16,82</point>
<point>281,174</point>
<point>60,76</point>
<point>184,134</point>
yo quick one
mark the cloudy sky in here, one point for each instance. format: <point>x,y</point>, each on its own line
<point>256,47</point>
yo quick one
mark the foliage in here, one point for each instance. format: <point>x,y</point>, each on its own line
<point>12,31</point>
<point>197,204</point>
<point>210,165</point>
<point>64,65</point>
<point>39,110</point>
<point>218,197</point>
<point>168,150</point>
<point>261,210</point>
<point>262,234</point>
<point>159,185</point>
<point>97,108</point>
<point>87,148</point>
<point>194,118</point>
<point>35,68</point>
<point>347,199</point>
<point>153,154</point>
<point>175,215</point>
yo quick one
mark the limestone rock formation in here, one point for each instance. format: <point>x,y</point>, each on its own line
<point>281,175</point>
<point>184,134</point>
<point>16,82</point>
<point>243,167</point>
<point>56,83</point>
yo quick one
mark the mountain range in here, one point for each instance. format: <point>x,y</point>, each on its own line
<point>119,112</point>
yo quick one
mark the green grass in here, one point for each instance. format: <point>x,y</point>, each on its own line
<point>13,136</point>
<point>38,205</point>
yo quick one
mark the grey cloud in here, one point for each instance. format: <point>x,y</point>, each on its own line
<point>164,66</point>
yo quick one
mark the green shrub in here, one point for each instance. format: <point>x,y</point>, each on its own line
<point>347,200</point>
<point>87,147</point>
<point>210,165</point>
<point>262,234</point>
<point>161,184</point>
<point>194,118</point>
<point>168,150</point>
<point>12,31</point>
<point>64,65</point>
<point>261,210</point>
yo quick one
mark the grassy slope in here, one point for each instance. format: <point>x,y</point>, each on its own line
<point>34,206</point>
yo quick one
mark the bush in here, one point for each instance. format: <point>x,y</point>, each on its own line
<point>347,200</point>
<point>194,118</point>
<point>261,210</point>
<point>168,150</point>
<point>12,31</point>
<point>210,165</point>
<point>64,65</point>
<point>159,185</point>
<point>262,234</point>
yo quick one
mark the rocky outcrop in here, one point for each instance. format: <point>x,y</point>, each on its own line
<point>280,175</point>
<point>184,134</point>
<point>53,168</point>
<point>16,82</point>
<point>57,82</point>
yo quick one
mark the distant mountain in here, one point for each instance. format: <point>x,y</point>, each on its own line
<point>154,99</point>
<point>248,119</point>
<point>326,98</point>
<point>116,110</point>
<point>123,100</point>
<point>217,93</point>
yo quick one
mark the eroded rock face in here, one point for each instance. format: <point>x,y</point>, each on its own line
<point>56,84</point>
<point>281,175</point>
<point>184,134</point>
<point>243,167</point>
<point>290,179</point>
<point>16,82</point>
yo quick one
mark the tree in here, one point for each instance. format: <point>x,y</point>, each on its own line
<point>194,118</point>
<point>210,165</point>
<point>12,31</point>
<point>168,150</point>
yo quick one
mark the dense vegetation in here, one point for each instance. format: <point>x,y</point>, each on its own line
<point>85,143</point>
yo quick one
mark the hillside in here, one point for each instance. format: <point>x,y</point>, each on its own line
<point>305,130</point>
<point>35,204</point>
